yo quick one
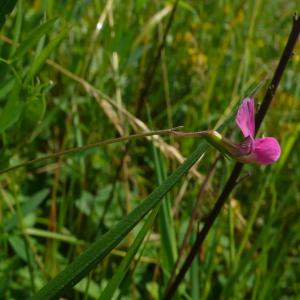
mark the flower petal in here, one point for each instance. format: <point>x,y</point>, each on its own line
<point>266,150</point>
<point>247,145</point>
<point>245,117</point>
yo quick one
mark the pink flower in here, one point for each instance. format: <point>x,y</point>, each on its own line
<point>263,151</point>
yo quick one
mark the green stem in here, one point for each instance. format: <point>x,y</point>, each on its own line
<point>89,146</point>
<point>231,182</point>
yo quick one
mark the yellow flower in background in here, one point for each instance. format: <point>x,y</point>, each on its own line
<point>199,59</point>
<point>195,56</point>
<point>191,51</point>
<point>188,37</point>
<point>226,9</point>
<point>37,4</point>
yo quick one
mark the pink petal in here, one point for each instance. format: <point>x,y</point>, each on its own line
<point>266,150</point>
<point>246,146</point>
<point>245,117</point>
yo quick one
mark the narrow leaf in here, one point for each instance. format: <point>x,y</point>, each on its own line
<point>103,246</point>
<point>156,19</point>
<point>41,58</point>
<point>119,275</point>
<point>168,246</point>
<point>33,38</point>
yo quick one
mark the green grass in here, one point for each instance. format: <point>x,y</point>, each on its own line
<point>71,74</point>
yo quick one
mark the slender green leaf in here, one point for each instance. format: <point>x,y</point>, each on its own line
<point>154,21</point>
<point>119,275</point>
<point>103,246</point>
<point>17,28</point>
<point>54,236</point>
<point>166,227</point>
<point>168,248</point>
<point>33,38</point>
<point>41,58</point>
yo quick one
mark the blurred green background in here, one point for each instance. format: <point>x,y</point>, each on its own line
<point>112,68</point>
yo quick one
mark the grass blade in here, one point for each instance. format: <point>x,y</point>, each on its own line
<point>33,38</point>
<point>166,226</point>
<point>123,267</point>
<point>41,58</point>
<point>98,250</point>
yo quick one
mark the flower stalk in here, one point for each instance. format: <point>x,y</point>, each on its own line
<point>89,146</point>
<point>262,151</point>
<point>231,182</point>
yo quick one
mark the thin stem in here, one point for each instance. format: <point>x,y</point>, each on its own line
<point>89,146</point>
<point>148,79</point>
<point>202,234</point>
<point>285,57</point>
<point>194,134</point>
<point>231,182</point>
<point>194,216</point>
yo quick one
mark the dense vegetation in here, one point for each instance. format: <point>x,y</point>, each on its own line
<point>74,73</point>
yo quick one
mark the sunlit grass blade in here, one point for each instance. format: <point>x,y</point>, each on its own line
<point>152,23</point>
<point>17,28</point>
<point>33,38</point>
<point>41,58</point>
<point>98,250</point>
<point>168,246</point>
